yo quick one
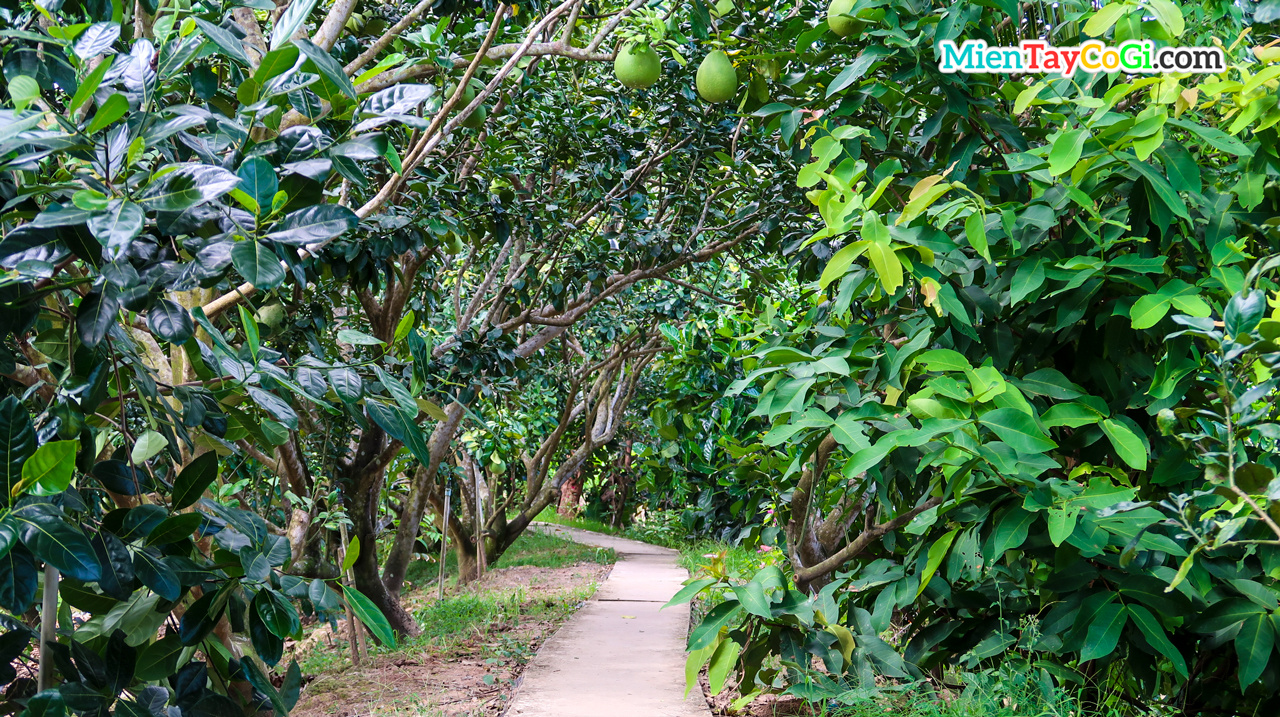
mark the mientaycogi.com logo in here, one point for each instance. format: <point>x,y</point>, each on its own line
<point>1133,56</point>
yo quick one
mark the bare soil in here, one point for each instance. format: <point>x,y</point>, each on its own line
<point>471,674</point>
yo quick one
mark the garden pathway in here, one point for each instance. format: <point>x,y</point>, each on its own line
<point>620,655</point>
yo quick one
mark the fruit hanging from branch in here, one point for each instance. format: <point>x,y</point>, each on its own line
<point>717,80</point>
<point>637,66</point>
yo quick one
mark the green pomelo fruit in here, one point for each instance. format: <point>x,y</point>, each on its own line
<point>838,20</point>
<point>271,315</point>
<point>717,80</point>
<point>637,66</point>
<point>476,119</point>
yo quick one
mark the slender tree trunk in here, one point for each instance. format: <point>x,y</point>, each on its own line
<point>366,476</point>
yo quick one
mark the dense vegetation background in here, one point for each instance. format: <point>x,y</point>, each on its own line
<point>294,292</point>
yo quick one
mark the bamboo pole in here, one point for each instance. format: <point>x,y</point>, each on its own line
<point>48,627</point>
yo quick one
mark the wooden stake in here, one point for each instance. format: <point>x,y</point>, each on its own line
<point>353,625</point>
<point>480,566</point>
<point>444,538</point>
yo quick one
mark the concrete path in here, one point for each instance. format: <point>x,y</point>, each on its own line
<point>619,656</point>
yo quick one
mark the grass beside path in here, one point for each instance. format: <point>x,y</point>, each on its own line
<point>473,646</point>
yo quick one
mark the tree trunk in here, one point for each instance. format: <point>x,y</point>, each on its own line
<point>365,475</point>
<point>571,494</point>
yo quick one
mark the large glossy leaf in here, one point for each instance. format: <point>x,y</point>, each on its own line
<point>277,61</point>
<point>46,532</point>
<point>160,659</point>
<point>96,315</point>
<point>225,41</point>
<point>117,565</point>
<point>258,180</point>
<point>1254,644</point>
<point>277,613</point>
<point>1157,637</point>
<point>274,405</point>
<point>334,84</point>
<point>317,223</point>
<point>397,100</point>
<point>17,443</point>
<point>1126,443</point>
<point>18,579</point>
<point>96,39</point>
<point>257,264</point>
<point>268,645</point>
<point>186,186</point>
<point>50,468</point>
<point>194,479</point>
<point>1017,429</point>
<point>347,384</point>
<point>370,616</point>
<point>119,477</point>
<point>170,322</point>
<point>1104,631</point>
<point>151,569</point>
<point>290,21</point>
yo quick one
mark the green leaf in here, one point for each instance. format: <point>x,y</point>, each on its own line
<point>1148,310</point>
<point>1009,533</point>
<point>1226,613</point>
<point>257,264</point>
<point>258,180</point>
<point>225,41</point>
<point>887,266</point>
<point>370,615</point>
<point>290,21</point>
<point>116,227</point>
<point>147,446</point>
<point>96,39</point>
<point>1254,643</point>
<point>90,84</point>
<point>194,479</point>
<point>23,91</point>
<point>1071,415</point>
<point>50,468</point>
<point>96,315</point>
<point>108,112</point>
<point>44,531</point>
<point>705,634</point>
<point>1106,18</point>
<point>1061,522</point>
<point>856,69</point>
<point>1157,637</point>
<point>179,187</point>
<point>1169,15</point>
<point>1049,382</point>
<point>944,360</point>
<point>358,338</point>
<point>1018,430</point>
<point>1104,631</point>
<point>174,529</point>
<point>1127,444</point>
<point>278,61</point>
<point>975,229</point>
<point>159,660</point>
<point>171,322</point>
<point>722,661</point>
<point>334,83</point>
<point>315,224</point>
<point>353,552</point>
<point>17,444</point>
<point>840,262</point>
<point>1162,187</point>
<point>687,592</point>
<point>1065,151</point>
<point>937,552</point>
<point>278,615</point>
<point>1215,138</point>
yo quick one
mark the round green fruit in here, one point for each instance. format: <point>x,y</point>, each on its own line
<point>838,18</point>
<point>271,316</point>
<point>637,66</point>
<point>476,119</point>
<point>717,80</point>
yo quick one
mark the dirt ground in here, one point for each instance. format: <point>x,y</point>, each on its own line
<point>763,706</point>
<point>469,674</point>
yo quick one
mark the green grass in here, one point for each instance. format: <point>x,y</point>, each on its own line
<point>738,560</point>
<point>1004,693</point>
<point>445,622</point>
<point>549,515</point>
